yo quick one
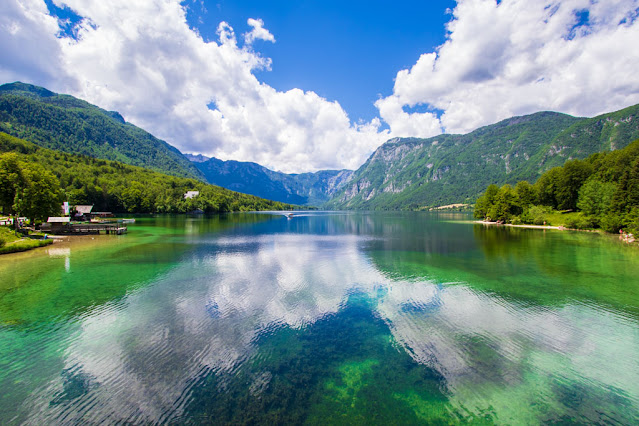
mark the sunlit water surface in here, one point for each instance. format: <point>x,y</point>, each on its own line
<point>376,318</point>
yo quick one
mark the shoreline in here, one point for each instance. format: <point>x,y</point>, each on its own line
<point>559,228</point>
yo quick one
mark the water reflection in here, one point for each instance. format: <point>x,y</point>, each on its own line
<point>361,315</point>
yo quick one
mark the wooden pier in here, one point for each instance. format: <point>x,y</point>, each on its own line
<point>88,228</point>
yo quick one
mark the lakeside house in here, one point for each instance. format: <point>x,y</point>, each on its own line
<point>56,223</point>
<point>83,212</point>
<point>191,194</point>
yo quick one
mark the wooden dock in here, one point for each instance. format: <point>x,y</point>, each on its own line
<point>89,228</point>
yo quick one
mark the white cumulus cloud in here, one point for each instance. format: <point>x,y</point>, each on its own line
<point>141,58</point>
<point>258,32</point>
<point>27,44</point>
<point>499,59</point>
<point>517,57</point>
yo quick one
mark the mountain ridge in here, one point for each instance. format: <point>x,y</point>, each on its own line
<point>403,173</point>
<point>410,173</point>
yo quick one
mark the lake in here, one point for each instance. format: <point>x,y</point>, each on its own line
<point>359,318</point>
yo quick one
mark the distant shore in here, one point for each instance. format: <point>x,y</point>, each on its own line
<point>451,207</point>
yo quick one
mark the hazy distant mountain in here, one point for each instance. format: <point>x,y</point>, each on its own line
<point>251,178</point>
<point>68,124</point>
<point>413,172</point>
<point>197,158</point>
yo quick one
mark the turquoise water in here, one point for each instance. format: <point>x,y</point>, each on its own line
<point>356,318</point>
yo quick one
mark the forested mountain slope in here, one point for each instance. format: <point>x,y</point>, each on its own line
<point>408,173</point>
<point>65,123</point>
<point>112,186</point>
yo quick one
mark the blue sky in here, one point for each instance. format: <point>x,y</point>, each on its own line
<point>345,51</point>
<point>348,51</point>
<point>307,85</point>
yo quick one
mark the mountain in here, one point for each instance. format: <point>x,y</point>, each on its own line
<point>403,173</point>
<point>65,123</point>
<point>251,178</point>
<point>197,158</point>
<point>68,124</point>
<point>408,173</point>
<point>116,187</point>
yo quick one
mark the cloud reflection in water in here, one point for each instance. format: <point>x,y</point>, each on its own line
<point>140,360</point>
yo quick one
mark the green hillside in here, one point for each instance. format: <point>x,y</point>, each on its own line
<point>65,123</point>
<point>601,191</point>
<point>414,173</point>
<point>110,185</point>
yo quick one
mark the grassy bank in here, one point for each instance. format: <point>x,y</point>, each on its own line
<point>12,243</point>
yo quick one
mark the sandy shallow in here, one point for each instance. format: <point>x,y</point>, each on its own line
<point>561,228</point>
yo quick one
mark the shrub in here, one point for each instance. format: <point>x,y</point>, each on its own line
<point>612,222</point>
<point>571,222</point>
<point>535,215</point>
<point>585,222</point>
<point>2,241</point>
<point>576,221</point>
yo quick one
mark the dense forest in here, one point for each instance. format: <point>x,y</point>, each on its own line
<point>601,191</point>
<point>34,181</point>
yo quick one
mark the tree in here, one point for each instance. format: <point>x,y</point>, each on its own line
<point>491,193</point>
<point>546,187</point>
<point>595,197</point>
<point>132,197</point>
<point>633,186</point>
<point>526,193</point>
<point>40,196</point>
<point>485,202</point>
<point>574,174</point>
<point>506,204</point>
<point>481,208</point>
<point>11,180</point>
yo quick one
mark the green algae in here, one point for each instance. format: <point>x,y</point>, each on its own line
<point>350,382</point>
